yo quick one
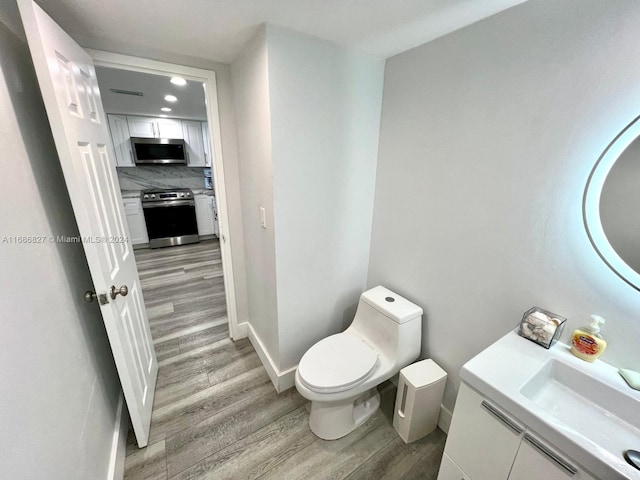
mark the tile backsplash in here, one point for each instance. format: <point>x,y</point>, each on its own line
<point>158,176</point>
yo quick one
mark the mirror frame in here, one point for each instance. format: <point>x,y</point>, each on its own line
<point>591,204</point>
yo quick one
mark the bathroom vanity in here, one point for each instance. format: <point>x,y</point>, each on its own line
<point>527,413</point>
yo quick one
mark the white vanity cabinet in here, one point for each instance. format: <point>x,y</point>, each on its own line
<point>192,133</point>
<point>151,127</point>
<point>119,129</point>
<point>135,220</point>
<point>487,443</point>
<point>205,214</point>
<point>483,440</point>
<point>538,459</point>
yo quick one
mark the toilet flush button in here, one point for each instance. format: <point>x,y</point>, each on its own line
<point>390,299</point>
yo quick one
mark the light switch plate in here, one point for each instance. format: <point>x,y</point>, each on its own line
<point>263,218</point>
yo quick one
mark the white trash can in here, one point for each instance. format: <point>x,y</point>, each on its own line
<point>420,391</point>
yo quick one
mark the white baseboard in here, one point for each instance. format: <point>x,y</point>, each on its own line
<point>119,443</point>
<point>444,421</point>
<point>281,380</point>
<point>241,331</point>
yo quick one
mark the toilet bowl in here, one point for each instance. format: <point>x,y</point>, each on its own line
<point>340,373</point>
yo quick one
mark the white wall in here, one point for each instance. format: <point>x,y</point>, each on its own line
<point>308,123</point>
<point>325,118</point>
<point>487,139</point>
<point>251,89</point>
<point>58,384</point>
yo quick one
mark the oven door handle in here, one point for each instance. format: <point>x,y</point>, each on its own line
<point>169,203</point>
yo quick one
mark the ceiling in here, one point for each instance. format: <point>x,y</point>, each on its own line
<point>218,29</point>
<point>190,104</point>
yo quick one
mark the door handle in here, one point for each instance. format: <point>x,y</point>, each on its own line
<point>90,296</point>
<point>113,291</point>
<point>571,470</point>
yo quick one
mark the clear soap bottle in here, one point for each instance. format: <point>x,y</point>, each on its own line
<point>586,342</point>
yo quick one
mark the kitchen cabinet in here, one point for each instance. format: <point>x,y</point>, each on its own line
<point>192,134</point>
<point>119,129</point>
<point>135,220</point>
<point>487,443</point>
<point>208,157</point>
<point>151,127</point>
<point>205,214</point>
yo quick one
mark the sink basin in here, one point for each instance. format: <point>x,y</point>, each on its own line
<point>606,416</point>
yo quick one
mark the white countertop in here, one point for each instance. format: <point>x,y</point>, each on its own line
<point>499,373</point>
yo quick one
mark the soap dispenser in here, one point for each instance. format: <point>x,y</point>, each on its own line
<point>586,342</point>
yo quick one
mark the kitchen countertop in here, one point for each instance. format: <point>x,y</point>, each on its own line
<point>130,193</point>
<point>196,191</point>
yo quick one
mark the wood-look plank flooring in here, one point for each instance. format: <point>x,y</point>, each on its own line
<point>216,414</point>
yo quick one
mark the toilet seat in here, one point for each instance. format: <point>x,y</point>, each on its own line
<point>337,363</point>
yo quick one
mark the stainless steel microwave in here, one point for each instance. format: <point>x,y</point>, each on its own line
<point>159,151</point>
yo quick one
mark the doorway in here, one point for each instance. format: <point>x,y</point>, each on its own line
<point>191,111</point>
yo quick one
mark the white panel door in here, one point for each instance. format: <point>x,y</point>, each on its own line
<point>208,158</point>
<point>72,99</point>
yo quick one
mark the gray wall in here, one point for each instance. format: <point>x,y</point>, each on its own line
<point>58,384</point>
<point>325,119</point>
<point>228,133</point>
<point>487,139</point>
<point>308,123</point>
<point>251,89</point>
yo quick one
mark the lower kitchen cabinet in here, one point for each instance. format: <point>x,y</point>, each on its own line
<point>135,220</point>
<point>487,443</point>
<point>205,214</point>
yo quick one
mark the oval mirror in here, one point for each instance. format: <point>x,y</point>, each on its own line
<point>611,205</point>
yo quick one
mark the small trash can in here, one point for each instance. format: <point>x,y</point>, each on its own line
<point>420,391</point>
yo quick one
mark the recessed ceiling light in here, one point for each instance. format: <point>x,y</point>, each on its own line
<point>171,98</point>
<point>165,109</point>
<point>178,81</point>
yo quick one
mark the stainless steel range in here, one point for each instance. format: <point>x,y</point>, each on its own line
<point>170,215</point>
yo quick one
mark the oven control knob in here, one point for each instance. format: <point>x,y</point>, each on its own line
<point>182,194</point>
<point>153,196</point>
<point>188,194</point>
<point>146,196</point>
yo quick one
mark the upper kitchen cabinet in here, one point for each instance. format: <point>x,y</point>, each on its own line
<point>208,157</point>
<point>192,134</point>
<point>121,139</point>
<point>150,127</point>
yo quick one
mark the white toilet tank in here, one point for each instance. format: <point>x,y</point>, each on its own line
<point>390,323</point>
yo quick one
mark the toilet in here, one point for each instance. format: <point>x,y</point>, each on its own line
<point>340,373</point>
